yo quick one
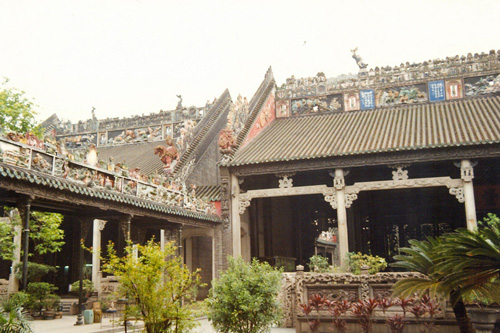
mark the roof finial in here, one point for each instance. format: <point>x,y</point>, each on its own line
<point>359,60</point>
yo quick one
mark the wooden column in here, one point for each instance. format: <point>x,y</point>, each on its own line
<point>343,240</point>
<point>467,174</point>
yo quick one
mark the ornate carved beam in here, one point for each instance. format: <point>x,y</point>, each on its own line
<point>400,181</point>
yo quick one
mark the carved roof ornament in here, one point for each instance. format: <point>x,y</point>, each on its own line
<point>168,155</point>
<point>238,114</point>
<point>179,103</point>
<point>359,60</point>
<point>227,141</point>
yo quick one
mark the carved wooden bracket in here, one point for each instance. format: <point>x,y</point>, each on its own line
<point>349,198</point>
<point>243,205</point>
<point>458,192</point>
<point>332,200</point>
<point>101,225</point>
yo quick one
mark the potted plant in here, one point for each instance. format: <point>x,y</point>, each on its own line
<point>51,304</point>
<point>38,295</point>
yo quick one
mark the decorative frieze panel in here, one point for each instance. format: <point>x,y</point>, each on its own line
<point>405,72</point>
<point>335,285</point>
<point>400,184</point>
<point>431,81</point>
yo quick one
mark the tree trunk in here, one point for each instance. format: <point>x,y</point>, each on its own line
<point>463,321</point>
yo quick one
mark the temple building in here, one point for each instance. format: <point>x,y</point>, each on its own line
<point>360,162</point>
<point>394,154</point>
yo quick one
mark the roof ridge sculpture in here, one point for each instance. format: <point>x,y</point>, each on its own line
<point>30,153</point>
<point>405,73</point>
<point>217,108</point>
<point>229,143</point>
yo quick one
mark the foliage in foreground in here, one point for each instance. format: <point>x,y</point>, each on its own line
<point>244,298</point>
<point>13,319</point>
<point>156,288</point>
<point>465,263</point>
<point>462,265</point>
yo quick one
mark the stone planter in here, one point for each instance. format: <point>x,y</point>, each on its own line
<point>483,319</point>
<point>49,314</point>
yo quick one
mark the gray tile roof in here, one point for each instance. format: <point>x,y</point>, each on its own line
<point>135,155</point>
<point>474,121</point>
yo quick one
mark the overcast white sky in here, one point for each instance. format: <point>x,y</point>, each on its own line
<point>129,57</point>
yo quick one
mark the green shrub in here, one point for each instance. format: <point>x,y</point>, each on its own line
<point>357,260</point>
<point>244,298</point>
<point>35,271</point>
<point>39,294</point>
<point>19,299</point>
<point>319,264</point>
<point>87,287</point>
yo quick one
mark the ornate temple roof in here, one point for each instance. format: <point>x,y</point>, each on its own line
<point>463,122</point>
<point>49,181</point>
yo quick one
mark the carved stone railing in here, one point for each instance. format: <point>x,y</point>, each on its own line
<point>298,287</point>
<point>48,161</point>
<point>108,286</point>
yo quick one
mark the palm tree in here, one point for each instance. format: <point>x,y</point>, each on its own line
<point>463,265</point>
<point>422,257</point>
<point>471,261</point>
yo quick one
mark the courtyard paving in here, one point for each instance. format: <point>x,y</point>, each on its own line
<point>66,324</point>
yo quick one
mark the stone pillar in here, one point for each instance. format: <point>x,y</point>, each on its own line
<point>162,239</point>
<point>467,174</point>
<point>223,237</point>
<point>188,258</point>
<point>218,251</point>
<point>96,253</point>
<point>13,282</point>
<point>343,240</point>
<point>235,216</point>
